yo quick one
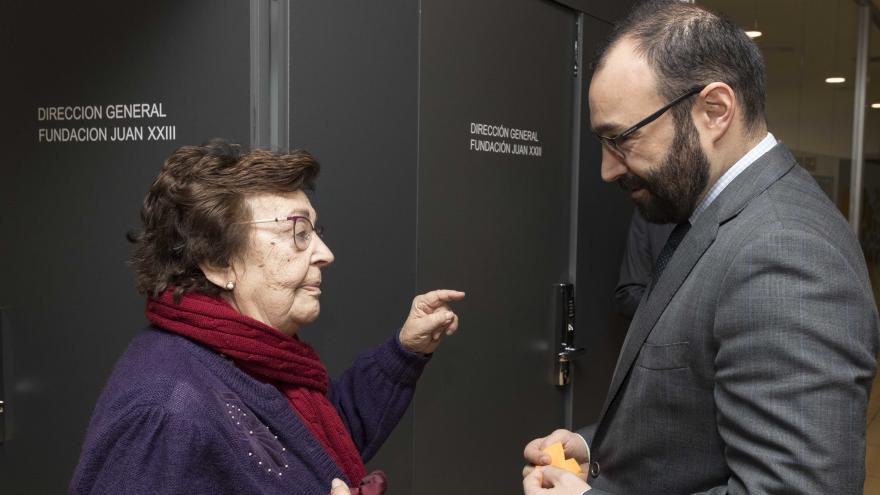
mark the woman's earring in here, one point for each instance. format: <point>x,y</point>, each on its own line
<point>230,285</point>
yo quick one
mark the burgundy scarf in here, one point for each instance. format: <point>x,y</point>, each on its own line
<point>269,356</point>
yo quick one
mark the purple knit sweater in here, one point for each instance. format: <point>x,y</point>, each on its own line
<point>176,417</point>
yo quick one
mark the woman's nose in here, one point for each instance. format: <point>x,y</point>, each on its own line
<point>321,255</point>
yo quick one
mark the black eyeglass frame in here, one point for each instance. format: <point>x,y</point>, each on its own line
<point>614,142</point>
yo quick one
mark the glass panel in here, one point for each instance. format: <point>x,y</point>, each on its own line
<point>870,227</point>
<point>804,42</point>
<point>871,238</point>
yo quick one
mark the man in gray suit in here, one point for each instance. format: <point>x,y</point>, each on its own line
<point>747,366</point>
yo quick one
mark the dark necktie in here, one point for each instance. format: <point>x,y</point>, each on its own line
<point>668,250</point>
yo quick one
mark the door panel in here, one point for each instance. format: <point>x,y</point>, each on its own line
<point>496,225</point>
<point>603,219</point>
<point>359,119</point>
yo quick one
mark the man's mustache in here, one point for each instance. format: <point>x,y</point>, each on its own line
<point>630,182</point>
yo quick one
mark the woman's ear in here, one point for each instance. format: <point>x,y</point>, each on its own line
<point>715,110</point>
<point>221,277</point>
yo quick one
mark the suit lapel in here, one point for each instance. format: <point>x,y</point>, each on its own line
<point>695,243</point>
<point>748,185</point>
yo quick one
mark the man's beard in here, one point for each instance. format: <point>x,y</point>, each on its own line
<point>674,186</point>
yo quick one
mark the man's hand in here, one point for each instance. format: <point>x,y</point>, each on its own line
<point>430,319</point>
<point>337,487</point>
<point>572,443</point>
<point>547,480</point>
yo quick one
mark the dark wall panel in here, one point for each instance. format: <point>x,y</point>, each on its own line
<point>67,296</point>
<point>608,11</point>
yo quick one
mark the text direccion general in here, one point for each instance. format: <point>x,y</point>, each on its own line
<point>98,112</point>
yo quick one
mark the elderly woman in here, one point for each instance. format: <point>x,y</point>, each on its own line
<point>219,394</point>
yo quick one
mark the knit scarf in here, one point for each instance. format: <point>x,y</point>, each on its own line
<point>269,356</point>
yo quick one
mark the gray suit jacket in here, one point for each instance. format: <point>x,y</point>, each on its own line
<point>747,368</point>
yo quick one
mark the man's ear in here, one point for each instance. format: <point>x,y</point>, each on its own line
<point>221,277</point>
<point>715,111</point>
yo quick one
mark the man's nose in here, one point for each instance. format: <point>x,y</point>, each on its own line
<point>612,166</point>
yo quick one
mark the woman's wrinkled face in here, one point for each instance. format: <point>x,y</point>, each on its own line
<point>277,283</point>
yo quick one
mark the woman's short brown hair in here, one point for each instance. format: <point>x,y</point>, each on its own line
<point>191,213</point>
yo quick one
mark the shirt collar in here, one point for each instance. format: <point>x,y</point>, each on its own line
<point>743,163</point>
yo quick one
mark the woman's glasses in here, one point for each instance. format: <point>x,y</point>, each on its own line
<point>303,230</point>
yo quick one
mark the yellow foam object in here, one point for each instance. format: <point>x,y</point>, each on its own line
<point>558,460</point>
<point>556,453</point>
<point>571,465</point>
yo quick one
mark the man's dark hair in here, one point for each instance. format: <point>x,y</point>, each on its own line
<point>688,46</point>
<point>194,209</point>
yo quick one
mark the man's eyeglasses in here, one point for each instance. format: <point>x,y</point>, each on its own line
<point>614,143</point>
<point>303,230</point>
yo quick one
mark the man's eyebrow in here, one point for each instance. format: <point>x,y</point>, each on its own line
<point>607,129</point>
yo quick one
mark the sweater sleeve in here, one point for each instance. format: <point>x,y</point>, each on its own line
<point>374,393</point>
<point>146,450</point>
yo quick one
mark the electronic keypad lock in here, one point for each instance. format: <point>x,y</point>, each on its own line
<point>564,349</point>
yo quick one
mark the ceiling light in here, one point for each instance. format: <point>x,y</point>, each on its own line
<point>835,80</point>
<point>754,34</point>
<point>875,105</point>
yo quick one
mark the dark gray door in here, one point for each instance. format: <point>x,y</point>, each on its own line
<point>495,151</point>
<point>354,104</point>
<point>69,193</point>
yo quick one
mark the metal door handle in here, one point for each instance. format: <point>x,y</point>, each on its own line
<point>571,353</point>
<point>566,352</point>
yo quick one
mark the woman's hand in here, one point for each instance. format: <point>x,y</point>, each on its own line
<point>430,319</point>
